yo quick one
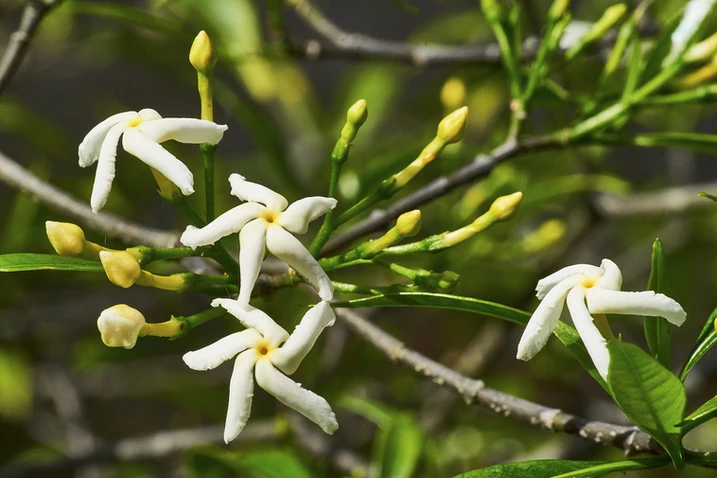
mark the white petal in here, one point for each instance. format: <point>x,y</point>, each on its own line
<point>302,339</point>
<point>241,392</point>
<point>222,350</point>
<point>105,173</point>
<point>299,214</point>
<point>148,114</point>
<point>547,283</point>
<point>602,301</point>
<point>155,156</point>
<point>288,248</point>
<point>254,318</point>
<point>184,130</point>
<point>611,278</point>
<point>292,395</point>
<point>89,150</point>
<point>594,342</point>
<point>248,191</point>
<point>545,318</point>
<point>228,223</point>
<point>252,244</point>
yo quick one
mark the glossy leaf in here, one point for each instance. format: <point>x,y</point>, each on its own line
<point>705,341</point>
<point>706,411</point>
<point>46,262</point>
<point>649,394</point>
<point>564,332</point>
<point>658,330</point>
<point>564,468</point>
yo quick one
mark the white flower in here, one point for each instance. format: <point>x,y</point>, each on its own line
<point>264,221</point>
<point>141,134</point>
<point>259,351</point>
<point>590,290</point>
<point>120,325</point>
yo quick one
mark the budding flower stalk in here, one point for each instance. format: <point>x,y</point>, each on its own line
<point>69,240</point>
<point>124,270</point>
<point>202,54</point>
<point>504,207</point>
<point>120,326</point>
<point>407,225</point>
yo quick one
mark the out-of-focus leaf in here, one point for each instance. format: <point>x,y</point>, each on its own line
<point>542,191</point>
<point>128,15</point>
<point>695,13</point>
<point>16,234</point>
<point>563,468</point>
<point>658,330</point>
<point>17,119</point>
<point>46,262</point>
<point>649,394</point>
<point>15,386</point>
<point>633,70</point>
<point>371,411</point>
<point>707,195</point>
<point>705,341</point>
<point>398,448</point>
<point>702,143</point>
<point>564,332</point>
<point>660,50</point>
<point>262,463</point>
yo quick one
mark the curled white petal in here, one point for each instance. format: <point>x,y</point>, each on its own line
<point>89,150</point>
<point>184,130</point>
<point>228,223</point>
<point>288,248</point>
<point>241,392</point>
<point>299,214</point>
<point>254,318</point>
<point>545,318</point>
<point>290,393</point>
<point>695,13</point>
<point>595,343</point>
<point>222,350</point>
<point>252,241</point>
<point>302,339</point>
<point>148,114</point>
<point>547,283</point>
<point>248,191</point>
<point>601,301</point>
<point>105,173</point>
<point>611,278</point>
<point>155,156</point>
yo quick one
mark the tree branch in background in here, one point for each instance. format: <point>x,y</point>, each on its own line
<point>20,40</point>
<point>629,439</point>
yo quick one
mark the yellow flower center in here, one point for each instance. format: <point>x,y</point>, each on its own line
<point>588,282</point>
<point>270,216</point>
<point>263,349</point>
<point>135,122</point>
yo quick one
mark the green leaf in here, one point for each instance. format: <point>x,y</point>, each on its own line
<point>707,195</point>
<point>128,15</point>
<point>258,463</point>
<point>15,386</point>
<point>564,468</point>
<point>398,447</point>
<point>706,411</point>
<point>701,143</point>
<point>658,330</point>
<point>379,415</point>
<point>46,262</point>
<point>564,332</point>
<point>633,71</point>
<point>705,341</point>
<point>649,394</point>
<point>662,47</point>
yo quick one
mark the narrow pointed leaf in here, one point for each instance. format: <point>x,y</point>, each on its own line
<point>649,394</point>
<point>705,341</point>
<point>658,330</point>
<point>46,262</point>
<point>706,411</point>
<point>398,448</point>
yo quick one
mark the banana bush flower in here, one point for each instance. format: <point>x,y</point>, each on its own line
<point>265,222</point>
<point>590,290</point>
<point>141,133</point>
<point>259,352</point>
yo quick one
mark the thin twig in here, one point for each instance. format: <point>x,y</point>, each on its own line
<point>16,176</point>
<point>629,439</point>
<point>20,40</point>
<point>672,200</point>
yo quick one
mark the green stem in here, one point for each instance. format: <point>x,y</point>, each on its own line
<point>192,321</point>
<point>208,151</point>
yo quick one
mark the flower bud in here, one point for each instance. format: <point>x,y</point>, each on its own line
<point>169,191</point>
<point>202,55</point>
<point>703,50</point>
<point>505,206</point>
<point>121,267</point>
<point>120,325</point>
<point>357,114</point>
<point>66,238</point>
<point>453,93</point>
<point>409,223</point>
<point>452,127</point>
<point>557,9</point>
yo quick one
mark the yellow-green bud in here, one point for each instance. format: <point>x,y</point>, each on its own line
<point>703,50</point>
<point>491,9</point>
<point>611,16</point>
<point>66,238</point>
<point>120,325</point>
<point>452,127</point>
<point>203,55</point>
<point>453,93</point>
<point>557,9</point>
<point>505,206</point>
<point>357,114</point>
<point>122,268</point>
<point>167,189</point>
<point>409,223</point>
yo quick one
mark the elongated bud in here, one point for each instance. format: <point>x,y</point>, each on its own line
<point>169,191</point>
<point>120,325</point>
<point>505,206</point>
<point>703,50</point>
<point>453,93</point>
<point>557,9</point>
<point>66,238</point>
<point>122,268</point>
<point>409,223</point>
<point>203,55</point>
<point>452,127</point>
<point>357,114</point>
